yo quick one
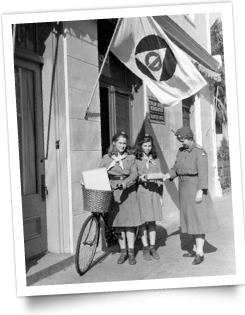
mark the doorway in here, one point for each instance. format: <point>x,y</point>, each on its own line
<point>116,113</point>
<point>31,155</point>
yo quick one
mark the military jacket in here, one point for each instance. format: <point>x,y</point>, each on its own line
<point>191,161</point>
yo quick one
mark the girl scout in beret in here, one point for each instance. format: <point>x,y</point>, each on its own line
<point>149,194</point>
<point>197,216</point>
<point>125,213</point>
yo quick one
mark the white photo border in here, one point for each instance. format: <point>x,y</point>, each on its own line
<point>239,278</point>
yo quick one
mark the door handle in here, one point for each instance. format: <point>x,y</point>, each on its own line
<point>44,189</point>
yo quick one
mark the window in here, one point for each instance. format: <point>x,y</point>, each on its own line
<point>26,36</point>
<point>186,105</point>
<point>218,126</point>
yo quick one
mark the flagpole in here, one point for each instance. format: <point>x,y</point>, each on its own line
<point>107,52</point>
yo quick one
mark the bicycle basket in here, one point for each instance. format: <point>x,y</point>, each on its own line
<point>96,200</point>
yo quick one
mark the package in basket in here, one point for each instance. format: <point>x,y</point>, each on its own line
<point>96,179</point>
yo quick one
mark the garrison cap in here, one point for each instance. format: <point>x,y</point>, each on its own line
<point>183,132</point>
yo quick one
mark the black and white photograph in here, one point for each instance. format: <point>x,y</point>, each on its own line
<point>124,149</point>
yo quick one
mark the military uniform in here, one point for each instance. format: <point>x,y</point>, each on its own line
<point>191,167</point>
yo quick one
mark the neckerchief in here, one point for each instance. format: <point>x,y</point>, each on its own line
<point>117,159</point>
<point>149,159</point>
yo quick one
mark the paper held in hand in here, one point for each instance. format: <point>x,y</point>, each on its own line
<point>154,176</point>
<point>96,179</point>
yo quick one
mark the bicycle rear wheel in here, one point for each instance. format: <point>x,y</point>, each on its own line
<point>87,243</point>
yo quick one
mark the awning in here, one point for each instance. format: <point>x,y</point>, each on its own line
<point>205,71</point>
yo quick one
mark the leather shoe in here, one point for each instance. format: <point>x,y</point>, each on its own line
<point>131,258</point>
<point>154,253</point>
<point>123,257</point>
<point>190,254</point>
<point>198,260</point>
<point>146,253</point>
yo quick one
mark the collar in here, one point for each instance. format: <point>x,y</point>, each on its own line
<point>147,157</point>
<point>192,147</point>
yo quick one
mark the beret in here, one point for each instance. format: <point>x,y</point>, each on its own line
<point>119,134</point>
<point>183,132</point>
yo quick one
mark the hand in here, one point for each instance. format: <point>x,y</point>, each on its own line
<point>142,178</point>
<point>165,176</point>
<point>121,186</point>
<point>199,196</point>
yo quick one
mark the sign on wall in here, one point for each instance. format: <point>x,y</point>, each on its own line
<point>156,111</point>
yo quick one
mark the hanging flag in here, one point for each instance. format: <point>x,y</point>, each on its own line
<point>146,50</point>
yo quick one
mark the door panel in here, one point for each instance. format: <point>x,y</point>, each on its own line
<point>122,112</point>
<point>105,123</point>
<point>30,133</point>
<point>116,113</point>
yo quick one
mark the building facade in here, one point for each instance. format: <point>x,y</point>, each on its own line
<point>56,68</point>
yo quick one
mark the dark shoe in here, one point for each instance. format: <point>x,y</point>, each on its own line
<point>154,252</point>
<point>190,254</point>
<point>123,257</point>
<point>146,253</point>
<point>131,258</point>
<point>198,260</point>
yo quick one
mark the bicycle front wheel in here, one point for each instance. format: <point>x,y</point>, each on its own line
<point>87,243</point>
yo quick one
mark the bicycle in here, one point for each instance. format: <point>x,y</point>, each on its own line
<point>98,203</point>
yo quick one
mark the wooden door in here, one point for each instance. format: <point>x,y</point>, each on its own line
<point>116,113</point>
<point>31,155</point>
<point>121,118</point>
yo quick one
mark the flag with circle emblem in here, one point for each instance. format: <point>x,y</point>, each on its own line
<point>146,50</point>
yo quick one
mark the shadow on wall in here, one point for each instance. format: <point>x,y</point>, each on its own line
<point>170,186</point>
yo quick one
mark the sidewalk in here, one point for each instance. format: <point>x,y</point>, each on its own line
<point>219,256</point>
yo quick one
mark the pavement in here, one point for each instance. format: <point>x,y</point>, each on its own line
<point>219,259</point>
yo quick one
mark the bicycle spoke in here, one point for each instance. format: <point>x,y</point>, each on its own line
<point>87,244</point>
<point>89,236</point>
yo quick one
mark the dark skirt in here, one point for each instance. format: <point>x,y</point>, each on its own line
<point>195,218</point>
<point>125,210</point>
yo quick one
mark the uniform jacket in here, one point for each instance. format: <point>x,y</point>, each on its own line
<point>192,161</point>
<point>129,168</point>
<point>153,168</point>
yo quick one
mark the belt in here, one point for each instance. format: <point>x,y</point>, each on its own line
<point>118,177</point>
<point>185,176</point>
